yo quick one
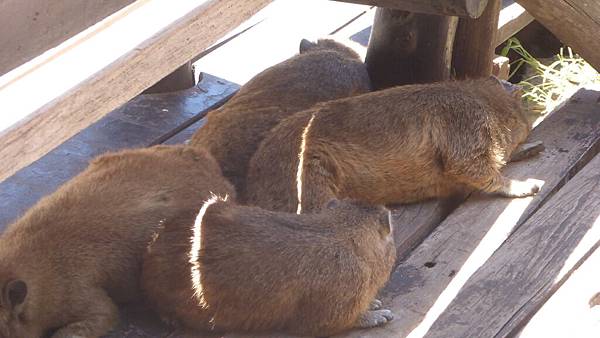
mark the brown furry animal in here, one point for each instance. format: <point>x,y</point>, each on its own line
<point>249,269</point>
<point>324,71</point>
<point>77,251</point>
<point>398,145</point>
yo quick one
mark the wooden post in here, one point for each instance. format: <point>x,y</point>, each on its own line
<point>181,78</point>
<point>574,22</point>
<point>409,48</point>
<point>464,8</point>
<point>475,42</point>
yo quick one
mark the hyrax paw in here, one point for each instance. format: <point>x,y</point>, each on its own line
<point>376,304</point>
<point>375,318</point>
<point>521,188</point>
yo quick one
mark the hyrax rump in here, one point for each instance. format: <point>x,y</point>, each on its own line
<point>397,145</point>
<point>65,263</point>
<point>324,71</point>
<point>249,269</point>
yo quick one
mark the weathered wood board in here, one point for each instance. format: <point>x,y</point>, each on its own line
<point>573,310</point>
<point>535,260</point>
<point>465,8</point>
<point>574,22</point>
<point>70,94</point>
<point>31,27</point>
<point>145,120</point>
<point>421,286</point>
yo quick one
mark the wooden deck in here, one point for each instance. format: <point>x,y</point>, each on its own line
<point>479,267</point>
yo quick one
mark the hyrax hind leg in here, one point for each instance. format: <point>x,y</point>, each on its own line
<point>374,318</point>
<point>96,315</point>
<point>484,174</point>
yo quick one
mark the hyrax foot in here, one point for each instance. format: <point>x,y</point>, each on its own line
<point>515,188</point>
<point>527,150</point>
<point>374,318</point>
<point>375,304</point>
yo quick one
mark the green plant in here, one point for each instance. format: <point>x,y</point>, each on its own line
<point>548,85</point>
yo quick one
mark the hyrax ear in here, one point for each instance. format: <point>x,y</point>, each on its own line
<point>15,292</point>
<point>306,45</point>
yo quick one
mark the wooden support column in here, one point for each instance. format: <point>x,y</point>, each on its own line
<point>475,42</point>
<point>574,22</point>
<point>409,48</point>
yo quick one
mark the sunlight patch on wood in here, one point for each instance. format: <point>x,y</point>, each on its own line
<point>497,234</point>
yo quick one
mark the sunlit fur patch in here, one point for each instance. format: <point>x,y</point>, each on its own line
<point>301,163</point>
<point>195,249</point>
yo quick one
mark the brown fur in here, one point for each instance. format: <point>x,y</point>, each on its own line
<point>260,270</point>
<point>65,262</point>
<point>325,71</point>
<point>398,145</point>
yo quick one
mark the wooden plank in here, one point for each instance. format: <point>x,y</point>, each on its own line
<point>421,286</point>
<point>573,310</point>
<point>409,48</point>
<point>145,120</point>
<point>513,17</point>
<point>282,24</point>
<point>466,8</point>
<point>503,294</point>
<point>64,102</point>
<point>574,22</point>
<point>474,43</point>
<point>31,27</point>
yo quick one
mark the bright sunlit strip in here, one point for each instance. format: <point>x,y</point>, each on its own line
<point>36,83</point>
<point>195,249</point>
<point>301,163</point>
<point>497,234</point>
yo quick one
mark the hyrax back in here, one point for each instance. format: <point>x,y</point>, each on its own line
<point>398,145</point>
<point>249,269</point>
<point>79,250</point>
<point>322,72</point>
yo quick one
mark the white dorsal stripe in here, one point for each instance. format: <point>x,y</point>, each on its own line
<point>301,163</point>
<point>196,246</point>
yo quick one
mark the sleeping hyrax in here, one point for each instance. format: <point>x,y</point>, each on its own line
<point>249,269</point>
<point>324,71</point>
<point>65,263</point>
<point>398,145</point>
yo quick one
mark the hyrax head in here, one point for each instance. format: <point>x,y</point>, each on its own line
<point>347,48</point>
<point>16,320</point>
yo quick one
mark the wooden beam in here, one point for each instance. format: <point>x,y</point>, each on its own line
<point>573,310</point>
<point>423,284</point>
<point>513,17</point>
<point>574,22</point>
<point>474,43</point>
<point>409,48</point>
<point>502,295</point>
<point>465,8</point>
<point>51,99</point>
<point>31,27</point>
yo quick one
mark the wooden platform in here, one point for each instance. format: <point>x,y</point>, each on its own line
<point>479,267</point>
